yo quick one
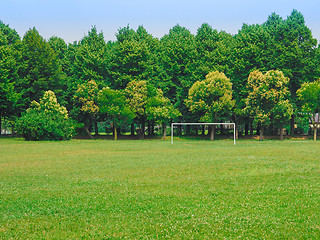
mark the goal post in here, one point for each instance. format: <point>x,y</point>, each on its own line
<point>232,124</point>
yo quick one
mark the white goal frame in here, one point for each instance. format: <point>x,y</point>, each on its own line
<point>233,124</point>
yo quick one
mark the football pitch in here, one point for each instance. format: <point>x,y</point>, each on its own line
<point>150,189</point>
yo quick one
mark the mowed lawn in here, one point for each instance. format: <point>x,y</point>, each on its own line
<point>151,189</point>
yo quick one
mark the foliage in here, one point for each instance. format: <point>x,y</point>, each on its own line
<point>40,68</point>
<point>86,97</point>
<point>133,57</point>
<point>9,68</point>
<point>211,98</point>
<point>213,50</point>
<point>112,103</point>
<point>178,57</point>
<point>309,96</point>
<point>46,120</point>
<point>268,99</point>
<point>138,93</point>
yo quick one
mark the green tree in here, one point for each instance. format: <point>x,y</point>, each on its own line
<point>113,104</point>
<point>268,99</point>
<point>47,120</point>
<point>250,50</point>
<point>90,59</point>
<point>177,59</point>
<point>148,103</point>
<point>161,110</point>
<point>212,51</point>
<point>309,96</point>
<point>9,67</point>
<point>133,57</point>
<point>295,51</point>
<point>40,70</point>
<point>211,98</point>
<point>86,107</point>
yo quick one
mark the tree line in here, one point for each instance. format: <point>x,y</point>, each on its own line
<point>263,77</point>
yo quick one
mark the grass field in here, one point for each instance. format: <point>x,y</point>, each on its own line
<point>151,189</point>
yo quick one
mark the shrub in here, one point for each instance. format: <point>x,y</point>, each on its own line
<point>46,120</point>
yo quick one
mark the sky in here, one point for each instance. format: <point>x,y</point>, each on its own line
<point>72,19</point>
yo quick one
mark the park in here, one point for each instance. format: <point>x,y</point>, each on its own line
<point>189,136</point>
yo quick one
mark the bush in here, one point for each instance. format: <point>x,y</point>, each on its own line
<point>46,120</point>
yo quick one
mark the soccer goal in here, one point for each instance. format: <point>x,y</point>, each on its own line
<point>184,124</point>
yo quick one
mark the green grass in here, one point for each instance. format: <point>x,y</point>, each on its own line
<point>154,190</point>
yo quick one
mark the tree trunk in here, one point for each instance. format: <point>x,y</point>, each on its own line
<point>315,133</point>
<point>115,131</point>
<point>251,129</point>
<point>132,129</point>
<point>212,132</point>
<point>0,124</point>
<point>179,130</point>
<point>149,128</point>
<point>222,130</point>
<point>96,129</point>
<point>152,128</point>
<point>142,129</point>
<point>203,130</point>
<point>258,129</point>
<point>281,132</point>
<point>188,130</point>
<point>246,129</point>
<point>164,126</point>
<point>86,129</point>
<point>261,133</point>
<point>292,126</point>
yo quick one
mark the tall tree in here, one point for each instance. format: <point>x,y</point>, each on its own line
<point>148,103</point>
<point>295,51</point>
<point>90,59</point>
<point>161,110</point>
<point>268,99</point>
<point>113,104</point>
<point>41,70</point>
<point>9,66</point>
<point>86,108</point>
<point>211,98</point>
<point>213,51</point>
<point>178,56</point>
<point>309,96</point>
<point>133,57</point>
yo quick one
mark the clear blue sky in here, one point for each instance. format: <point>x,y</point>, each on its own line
<point>71,19</point>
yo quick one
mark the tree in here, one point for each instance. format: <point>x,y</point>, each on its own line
<point>249,50</point>
<point>295,51</point>
<point>161,110</point>
<point>133,57</point>
<point>9,67</point>
<point>138,94</point>
<point>86,108</point>
<point>148,103</point>
<point>86,61</point>
<point>211,98</point>
<point>268,99</point>
<point>90,59</point>
<point>212,51</point>
<point>309,96</point>
<point>47,120</point>
<point>112,103</point>
<point>178,60</point>
<point>40,70</point>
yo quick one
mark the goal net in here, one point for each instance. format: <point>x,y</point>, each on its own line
<point>184,124</point>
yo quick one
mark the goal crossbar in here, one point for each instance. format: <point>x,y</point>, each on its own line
<point>233,124</point>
